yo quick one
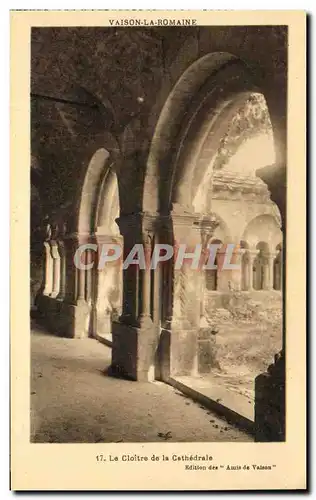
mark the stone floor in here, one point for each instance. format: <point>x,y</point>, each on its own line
<point>73,400</point>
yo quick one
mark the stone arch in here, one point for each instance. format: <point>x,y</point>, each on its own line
<point>99,208</point>
<point>108,280</point>
<point>265,228</point>
<point>169,123</point>
<point>192,121</point>
<point>218,82</point>
<point>187,137</point>
<point>96,172</point>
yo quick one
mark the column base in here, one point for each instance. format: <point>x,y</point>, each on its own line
<point>178,352</point>
<point>64,319</point>
<point>270,403</point>
<point>133,351</point>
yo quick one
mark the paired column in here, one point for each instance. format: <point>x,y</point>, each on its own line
<point>268,270</point>
<point>252,254</point>
<point>135,336</point>
<point>137,229</point>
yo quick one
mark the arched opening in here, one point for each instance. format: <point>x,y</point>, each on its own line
<point>108,279</point>
<point>89,199</point>
<point>203,161</point>
<point>99,287</point>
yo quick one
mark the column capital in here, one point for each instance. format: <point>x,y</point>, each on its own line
<point>252,252</point>
<point>270,255</point>
<point>139,223</point>
<point>207,225</point>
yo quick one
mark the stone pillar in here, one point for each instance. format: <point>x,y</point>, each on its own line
<point>56,269</point>
<point>62,285</point>
<point>271,259</point>
<point>252,254</point>
<point>244,270</point>
<point>81,285</point>
<point>224,276</point>
<point>76,311</point>
<point>179,337</point>
<point>206,340</point>
<point>236,274</point>
<point>88,289</point>
<point>278,268</point>
<point>135,337</point>
<point>145,282</point>
<point>48,270</point>
<point>70,247</point>
<point>281,269</point>
<point>268,262</point>
<point>207,228</point>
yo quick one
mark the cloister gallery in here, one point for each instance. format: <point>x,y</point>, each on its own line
<point>160,135</point>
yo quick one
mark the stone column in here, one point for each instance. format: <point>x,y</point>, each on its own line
<point>271,259</point>
<point>145,283</point>
<point>135,337</point>
<point>236,274</point>
<point>62,285</point>
<point>244,270</point>
<point>279,273</point>
<point>56,269</point>
<point>48,270</point>
<point>281,269</point>
<point>252,254</point>
<point>81,285</point>
<point>180,334</point>
<point>75,311</point>
<point>88,290</point>
<point>224,276</point>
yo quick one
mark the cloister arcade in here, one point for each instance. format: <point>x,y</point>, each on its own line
<point>192,180</point>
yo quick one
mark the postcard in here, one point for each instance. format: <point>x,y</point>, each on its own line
<point>158,243</point>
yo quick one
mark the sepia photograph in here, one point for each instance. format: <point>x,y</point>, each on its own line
<point>158,216</point>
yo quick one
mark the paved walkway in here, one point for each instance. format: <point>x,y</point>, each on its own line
<point>73,400</point>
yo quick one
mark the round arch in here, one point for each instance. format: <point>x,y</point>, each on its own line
<point>108,206</point>
<point>98,192</point>
<point>263,228</point>
<point>219,84</point>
